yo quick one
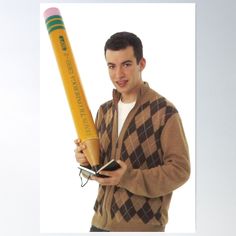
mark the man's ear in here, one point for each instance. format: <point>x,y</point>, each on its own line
<point>142,64</point>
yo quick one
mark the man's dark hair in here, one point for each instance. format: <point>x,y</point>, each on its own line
<point>122,40</point>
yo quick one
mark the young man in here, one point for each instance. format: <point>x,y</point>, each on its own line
<point>143,131</point>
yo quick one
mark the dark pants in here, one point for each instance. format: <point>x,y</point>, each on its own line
<point>95,229</point>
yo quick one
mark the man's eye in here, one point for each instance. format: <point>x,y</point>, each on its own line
<point>127,65</point>
<point>111,67</point>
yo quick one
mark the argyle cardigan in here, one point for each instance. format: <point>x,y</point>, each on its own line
<point>153,146</point>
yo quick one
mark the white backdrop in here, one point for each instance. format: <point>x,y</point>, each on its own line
<point>168,35</point>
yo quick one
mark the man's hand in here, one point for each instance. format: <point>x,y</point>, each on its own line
<point>114,176</point>
<point>79,153</point>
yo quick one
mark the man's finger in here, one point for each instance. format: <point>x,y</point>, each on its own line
<point>77,141</point>
<point>102,181</point>
<point>107,173</point>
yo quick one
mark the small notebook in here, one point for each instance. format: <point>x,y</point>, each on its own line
<point>110,166</point>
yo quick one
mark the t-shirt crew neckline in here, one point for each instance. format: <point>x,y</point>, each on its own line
<point>123,111</point>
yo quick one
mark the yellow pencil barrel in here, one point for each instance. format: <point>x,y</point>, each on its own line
<point>81,114</point>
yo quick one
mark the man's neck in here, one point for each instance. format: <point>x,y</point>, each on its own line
<point>128,99</point>
<point>132,96</point>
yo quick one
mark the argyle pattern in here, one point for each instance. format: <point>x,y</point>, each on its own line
<point>141,146</point>
<point>105,131</point>
<point>141,149</point>
<point>105,136</point>
<point>100,199</point>
<point>130,206</point>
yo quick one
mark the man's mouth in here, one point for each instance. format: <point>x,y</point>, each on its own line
<point>122,83</point>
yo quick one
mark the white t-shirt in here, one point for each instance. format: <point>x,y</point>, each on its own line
<point>123,111</point>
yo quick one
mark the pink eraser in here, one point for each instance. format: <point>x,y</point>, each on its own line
<point>52,11</point>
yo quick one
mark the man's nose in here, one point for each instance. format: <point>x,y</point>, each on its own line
<point>119,72</point>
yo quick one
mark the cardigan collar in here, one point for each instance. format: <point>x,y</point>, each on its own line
<point>142,90</point>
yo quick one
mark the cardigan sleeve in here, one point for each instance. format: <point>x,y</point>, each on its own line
<point>174,172</point>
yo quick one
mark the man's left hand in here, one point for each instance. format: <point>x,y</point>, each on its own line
<point>114,176</point>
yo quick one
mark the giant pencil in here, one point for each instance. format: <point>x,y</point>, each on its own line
<point>81,114</point>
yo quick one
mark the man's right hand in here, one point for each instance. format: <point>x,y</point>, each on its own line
<point>79,153</point>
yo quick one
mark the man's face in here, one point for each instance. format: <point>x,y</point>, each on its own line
<point>124,71</point>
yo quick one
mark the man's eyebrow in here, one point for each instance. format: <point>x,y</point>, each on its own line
<point>123,62</point>
<point>127,61</point>
<point>110,63</point>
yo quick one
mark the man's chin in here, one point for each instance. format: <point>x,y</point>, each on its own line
<point>120,90</point>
